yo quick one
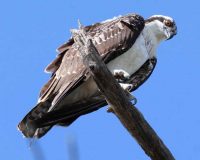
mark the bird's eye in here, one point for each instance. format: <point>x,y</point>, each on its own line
<point>168,23</point>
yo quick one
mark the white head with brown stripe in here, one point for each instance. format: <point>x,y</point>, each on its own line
<point>164,27</point>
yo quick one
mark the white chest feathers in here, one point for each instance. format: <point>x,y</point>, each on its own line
<point>135,57</point>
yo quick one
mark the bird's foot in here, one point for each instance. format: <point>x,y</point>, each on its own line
<point>131,97</point>
<point>128,88</point>
<point>121,75</point>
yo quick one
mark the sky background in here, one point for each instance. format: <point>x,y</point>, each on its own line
<point>30,31</point>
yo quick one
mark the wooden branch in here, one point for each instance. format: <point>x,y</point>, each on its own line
<point>116,97</point>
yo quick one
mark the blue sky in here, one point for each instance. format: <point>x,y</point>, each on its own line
<point>30,31</point>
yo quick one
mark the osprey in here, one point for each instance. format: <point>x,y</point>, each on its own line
<point>127,44</point>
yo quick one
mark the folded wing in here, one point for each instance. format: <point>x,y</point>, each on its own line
<point>111,38</point>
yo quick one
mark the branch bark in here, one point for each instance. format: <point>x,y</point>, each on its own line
<point>116,97</point>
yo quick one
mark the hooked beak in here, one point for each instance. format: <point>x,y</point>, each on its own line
<point>172,32</point>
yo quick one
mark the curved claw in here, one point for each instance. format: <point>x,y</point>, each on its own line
<point>134,101</point>
<point>131,97</point>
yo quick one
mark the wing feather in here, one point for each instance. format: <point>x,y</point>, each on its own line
<point>113,39</point>
<point>55,64</point>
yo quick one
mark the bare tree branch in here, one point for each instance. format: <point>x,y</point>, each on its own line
<point>128,114</point>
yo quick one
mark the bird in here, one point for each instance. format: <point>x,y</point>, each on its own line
<point>127,44</point>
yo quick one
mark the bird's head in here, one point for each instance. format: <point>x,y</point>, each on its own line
<point>163,26</point>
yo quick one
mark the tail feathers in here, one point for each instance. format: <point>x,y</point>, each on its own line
<point>39,121</point>
<point>42,131</point>
<point>28,125</point>
<point>33,124</point>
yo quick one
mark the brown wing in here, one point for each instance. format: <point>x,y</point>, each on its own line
<point>67,115</point>
<point>111,38</point>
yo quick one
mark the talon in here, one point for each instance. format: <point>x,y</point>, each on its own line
<point>129,87</point>
<point>126,87</point>
<point>131,97</point>
<point>134,101</point>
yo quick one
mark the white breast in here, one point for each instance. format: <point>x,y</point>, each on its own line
<point>131,60</point>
